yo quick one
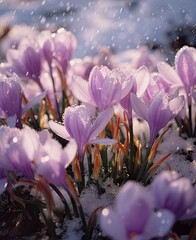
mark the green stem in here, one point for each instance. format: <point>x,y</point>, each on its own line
<point>73,205</point>
<point>130,162</point>
<point>82,218</point>
<point>66,207</point>
<point>190,120</point>
<point>90,165</point>
<point>50,225</point>
<point>82,173</point>
<point>54,89</point>
<point>104,158</point>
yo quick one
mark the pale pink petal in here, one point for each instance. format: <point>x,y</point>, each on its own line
<point>127,86</point>
<point>176,104</point>
<point>59,129</point>
<point>34,101</point>
<point>79,88</point>
<point>111,93</point>
<point>139,107</point>
<point>100,123</point>
<point>169,73</point>
<point>70,152</point>
<point>185,67</point>
<point>142,78</point>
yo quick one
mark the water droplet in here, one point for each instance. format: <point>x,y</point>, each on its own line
<point>45,159</point>
<point>15,140</point>
<point>105,212</point>
<point>159,214</point>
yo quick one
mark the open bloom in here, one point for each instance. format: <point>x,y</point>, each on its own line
<point>57,48</point>
<point>11,101</point>
<point>104,89</point>
<point>140,83</point>
<point>53,161</point>
<point>162,109</point>
<point>132,216</point>
<point>184,74</point>
<point>26,61</point>
<point>83,126</point>
<point>174,193</point>
<point>20,149</point>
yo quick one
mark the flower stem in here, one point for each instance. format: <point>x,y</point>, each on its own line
<point>104,158</point>
<point>50,225</point>
<point>190,120</point>
<point>67,210</point>
<point>130,163</point>
<point>82,218</point>
<point>82,173</point>
<point>90,165</point>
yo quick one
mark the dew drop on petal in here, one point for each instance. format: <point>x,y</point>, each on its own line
<point>105,212</point>
<point>15,139</point>
<point>159,214</point>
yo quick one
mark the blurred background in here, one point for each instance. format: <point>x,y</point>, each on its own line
<point>117,24</point>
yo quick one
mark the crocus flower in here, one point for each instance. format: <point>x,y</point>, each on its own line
<point>54,160</point>
<point>174,193</point>
<point>20,149</point>
<point>184,73</point>
<point>82,126</point>
<point>10,100</point>
<point>140,83</point>
<point>57,48</point>
<point>132,216</point>
<point>26,61</point>
<point>162,109</point>
<point>104,89</point>
<point>185,63</point>
<point>15,35</point>
<point>156,84</point>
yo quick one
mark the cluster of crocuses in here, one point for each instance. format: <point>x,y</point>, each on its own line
<point>141,214</point>
<point>97,98</point>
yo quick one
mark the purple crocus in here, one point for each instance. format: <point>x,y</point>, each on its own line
<point>104,89</point>
<point>162,109</point>
<point>57,48</point>
<point>26,61</point>
<point>132,216</point>
<point>21,150</point>
<point>140,82</point>
<point>185,64</point>
<point>10,101</point>
<point>83,126</point>
<point>174,193</point>
<point>157,84</point>
<point>53,161</point>
<point>7,137</point>
<point>184,74</point>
